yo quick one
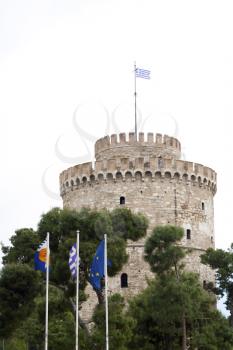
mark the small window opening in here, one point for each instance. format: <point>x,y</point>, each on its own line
<point>188,233</point>
<point>122,200</point>
<point>160,162</point>
<point>204,284</point>
<point>212,239</point>
<point>203,206</point>
<point>124,280</point>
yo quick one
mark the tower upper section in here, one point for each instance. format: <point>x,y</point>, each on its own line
<point>126,145</point>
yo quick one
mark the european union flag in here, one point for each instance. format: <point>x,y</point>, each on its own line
<point>97,267</point>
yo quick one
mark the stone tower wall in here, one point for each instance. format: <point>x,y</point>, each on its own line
<point>125,145</point>
<point>152,181</point>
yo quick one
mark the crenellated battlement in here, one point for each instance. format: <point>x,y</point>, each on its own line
<point>137,169</point>
<point>127,145</point>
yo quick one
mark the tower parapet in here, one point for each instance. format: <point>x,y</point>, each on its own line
<point>126,145</point>
<point>145,168</point>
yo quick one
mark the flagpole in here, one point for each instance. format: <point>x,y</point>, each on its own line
<point>47,293</point>
<point>77,290</point>
<point>135,102</point>
<point>106,289</point>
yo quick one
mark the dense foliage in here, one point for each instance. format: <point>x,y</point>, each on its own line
<point>18,287</point>
<point>177,311</point>
<point>158,315</point>
<point>161,251</point>
<point>22,289</point>
<point>222,262</point>
<point>173,312</point>
<point>121,325</point>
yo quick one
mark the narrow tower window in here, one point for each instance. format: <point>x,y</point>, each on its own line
<point>188,233</point>
<point>124,280</point>
<point>122,200</point>
<point>160,162</point>
<point>203,206</point>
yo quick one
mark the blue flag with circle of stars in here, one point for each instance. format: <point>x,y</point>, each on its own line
<point>97,267</point>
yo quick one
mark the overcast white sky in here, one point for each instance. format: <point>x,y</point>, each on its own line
<point>66,79</point>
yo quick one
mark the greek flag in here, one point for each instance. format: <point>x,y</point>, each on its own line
<point>142,73</point>
<point>73,260</point>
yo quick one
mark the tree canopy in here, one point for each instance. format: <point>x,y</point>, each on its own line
<point>157,313</point>
<point>161,250</point>
<point>173,305</point>
<point>121,325</point>
<point>22,288</point>
<point>222,262</point>
<point>174,311</point>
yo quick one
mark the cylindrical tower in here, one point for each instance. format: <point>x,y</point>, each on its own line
<point>147,175</point>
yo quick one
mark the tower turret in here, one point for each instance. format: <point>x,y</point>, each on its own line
<point>126,145</point>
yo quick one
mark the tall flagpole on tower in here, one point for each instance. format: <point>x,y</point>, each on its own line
<point>135,102</point>
<point>138,73</point>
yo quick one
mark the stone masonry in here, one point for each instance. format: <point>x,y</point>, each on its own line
<point>145,175</point>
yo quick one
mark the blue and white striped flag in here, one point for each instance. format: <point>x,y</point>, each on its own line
<point>73,260</point>
<point>142,73</point>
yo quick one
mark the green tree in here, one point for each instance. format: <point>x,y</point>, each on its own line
<point>214,334</point>
<point>178,301</point>
<point>62,225</point>
<point>23,245</point>
<point>161,251</point>
<point>13,344</point>
<point>127,224</point>
<point>164,257</point>
<point>222,262</point>
<point>18,287</point>
<point>120,325</point>
<point>61,322</point>
<point>158,312</point>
